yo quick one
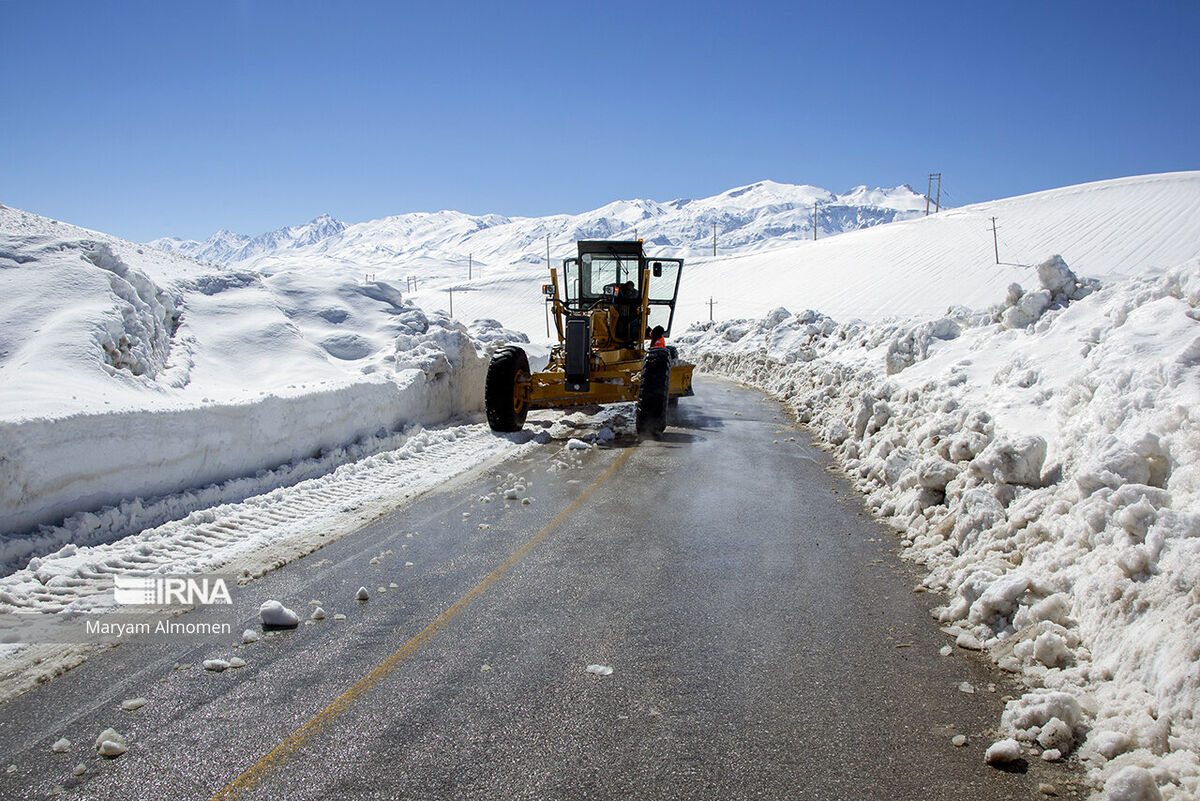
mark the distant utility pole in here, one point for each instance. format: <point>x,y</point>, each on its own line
<point>995,242</point>
<point>547,270</point>
<point>711,303</point>
<point>470,265</point>
<point>816,203</point>
<point>451,301</point>
<point>934,176</point>
<point>714,240</point>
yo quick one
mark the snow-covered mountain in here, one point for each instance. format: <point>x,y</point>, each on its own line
<point>226,247</point>
<point>746,218</point>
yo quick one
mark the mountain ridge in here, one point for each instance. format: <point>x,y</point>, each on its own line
<point>746,218</point>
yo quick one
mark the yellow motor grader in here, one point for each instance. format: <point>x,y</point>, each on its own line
<point>608,302</point>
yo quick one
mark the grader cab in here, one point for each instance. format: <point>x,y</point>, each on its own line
<point>606,304</point>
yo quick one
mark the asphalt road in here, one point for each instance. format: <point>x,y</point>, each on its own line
<point>764,640</point>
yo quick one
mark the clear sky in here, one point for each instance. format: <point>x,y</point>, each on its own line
<point>144,119</point>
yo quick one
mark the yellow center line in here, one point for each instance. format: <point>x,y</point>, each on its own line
<point>279,755</point>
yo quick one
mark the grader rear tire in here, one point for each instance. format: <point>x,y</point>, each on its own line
<point>502,392</point>
<point>654,392</point>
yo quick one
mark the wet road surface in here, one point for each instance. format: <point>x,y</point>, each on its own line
<point>764,641</point>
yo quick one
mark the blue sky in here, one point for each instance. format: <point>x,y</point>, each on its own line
<point>144,119</point>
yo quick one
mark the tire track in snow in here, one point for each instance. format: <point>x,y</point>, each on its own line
<point>259,533</point>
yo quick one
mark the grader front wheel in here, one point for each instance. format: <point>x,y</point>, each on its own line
<point>504,393</point>
<point>654,392</point>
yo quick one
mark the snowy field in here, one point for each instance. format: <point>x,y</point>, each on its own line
<point>1035,447</point>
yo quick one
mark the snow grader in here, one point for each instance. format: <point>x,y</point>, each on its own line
<point>608,302</point>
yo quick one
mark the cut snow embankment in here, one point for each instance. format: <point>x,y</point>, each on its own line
<point>1042,462</point>
<point>137,386</point>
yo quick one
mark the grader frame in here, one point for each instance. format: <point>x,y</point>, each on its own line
<point>605,304</point>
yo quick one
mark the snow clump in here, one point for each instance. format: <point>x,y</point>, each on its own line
<point>275,615</point>
<point>111,744</point>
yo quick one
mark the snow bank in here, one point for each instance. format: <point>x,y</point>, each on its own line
<point>134,383</point>
<point>1041,460</point>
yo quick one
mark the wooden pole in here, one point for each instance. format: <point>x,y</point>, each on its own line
<point>995,242</point>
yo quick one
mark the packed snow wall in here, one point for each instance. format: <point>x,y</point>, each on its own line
<point>127,373</point>
<point>52,468</point>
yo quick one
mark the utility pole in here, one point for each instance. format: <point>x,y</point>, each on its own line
<point>816,203</point>
<point>929,192</point>
<point>451,301</point>
<point>547,268</point>
<point>470,265</point>
<point>711,303</point>
<point>995,242</point>
<point>714,240</point>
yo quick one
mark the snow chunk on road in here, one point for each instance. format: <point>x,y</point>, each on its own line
<point>362,594</point>
<point>577,445</point>
<point>1051,719</point>
<point>111,744</point>
<point>61,746</point>
<point>276,615</point>
<point>1004,752</point>
<point>132,704</point>
<point>600,670</point>
<point>216,665</point>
